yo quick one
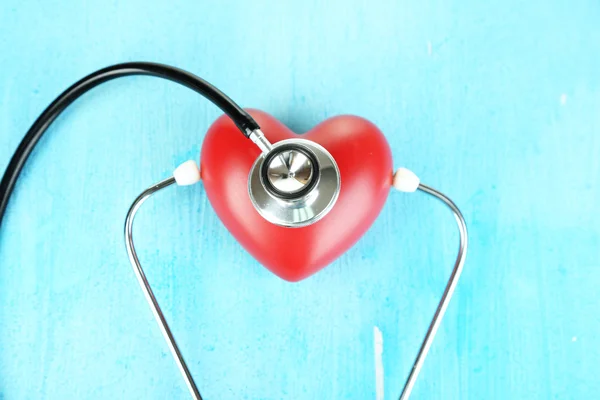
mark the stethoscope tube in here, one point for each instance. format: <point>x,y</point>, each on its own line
<point>246,124</point>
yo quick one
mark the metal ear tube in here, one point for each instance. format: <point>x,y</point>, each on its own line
<point>284,212</point>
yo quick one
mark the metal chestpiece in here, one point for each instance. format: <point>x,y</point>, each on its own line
<point>295,184</point>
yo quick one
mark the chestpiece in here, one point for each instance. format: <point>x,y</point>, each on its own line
<point>295,184</point>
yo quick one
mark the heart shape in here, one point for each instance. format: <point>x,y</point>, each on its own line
<point>365,163</point>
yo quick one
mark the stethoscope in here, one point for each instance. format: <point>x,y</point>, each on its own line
<point>293,183</point>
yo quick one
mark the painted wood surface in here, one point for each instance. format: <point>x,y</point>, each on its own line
<point>495,103</point>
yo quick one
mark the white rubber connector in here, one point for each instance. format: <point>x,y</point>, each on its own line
<point>187,173</point>
<point>406,181</point>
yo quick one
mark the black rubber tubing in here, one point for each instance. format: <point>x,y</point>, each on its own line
<point>241,118</point>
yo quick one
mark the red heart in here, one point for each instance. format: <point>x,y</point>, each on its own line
<point>365,162</point>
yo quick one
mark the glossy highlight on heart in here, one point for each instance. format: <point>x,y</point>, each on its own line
<point>365,163</point>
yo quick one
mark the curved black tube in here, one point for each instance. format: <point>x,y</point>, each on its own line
<point>242,119</point>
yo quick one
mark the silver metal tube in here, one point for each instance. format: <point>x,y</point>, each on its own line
<point>448,292</point>
<point>259,139</point>
<point>143,281</point>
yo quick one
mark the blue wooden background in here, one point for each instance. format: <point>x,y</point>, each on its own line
<point>496,103</point>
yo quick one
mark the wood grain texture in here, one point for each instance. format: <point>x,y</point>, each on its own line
<point>495,103</point>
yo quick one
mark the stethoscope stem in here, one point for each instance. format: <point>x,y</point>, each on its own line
<point>258,137</point>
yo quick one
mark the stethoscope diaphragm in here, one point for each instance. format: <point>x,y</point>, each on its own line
<point>295,184</point>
